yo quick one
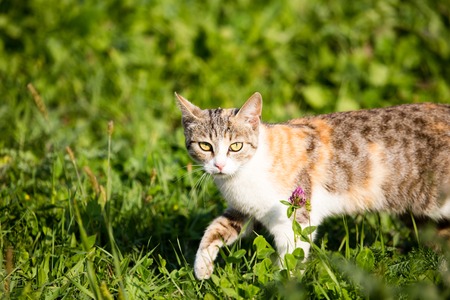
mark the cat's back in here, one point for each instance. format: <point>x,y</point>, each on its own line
<point>428,117</point>
<point>405,150</point>
<point>401,126</point>
<point>419,129</point>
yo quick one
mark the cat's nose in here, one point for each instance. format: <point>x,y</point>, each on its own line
<point>219,165</point>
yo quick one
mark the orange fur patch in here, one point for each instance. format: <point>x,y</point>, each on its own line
<point>367,193</point>
<point>324,130</point>
<point>320,166</point>
<point>286,145</point>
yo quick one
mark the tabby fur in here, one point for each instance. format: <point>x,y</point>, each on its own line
<point>394,159</point>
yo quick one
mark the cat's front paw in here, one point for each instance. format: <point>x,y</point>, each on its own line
<point>203,266</point>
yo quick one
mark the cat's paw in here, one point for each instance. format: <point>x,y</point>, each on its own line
<point>203,266</point>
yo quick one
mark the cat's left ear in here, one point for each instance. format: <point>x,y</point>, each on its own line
<point>251,110</point>
<point>188,110</point>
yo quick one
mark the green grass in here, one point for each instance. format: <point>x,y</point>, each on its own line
<point>98,198</point>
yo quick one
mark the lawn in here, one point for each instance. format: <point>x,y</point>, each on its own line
<point>98,197</point>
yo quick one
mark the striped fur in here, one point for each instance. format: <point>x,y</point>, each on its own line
<point>395,159</point>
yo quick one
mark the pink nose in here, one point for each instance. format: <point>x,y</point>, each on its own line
<point>219,166</point>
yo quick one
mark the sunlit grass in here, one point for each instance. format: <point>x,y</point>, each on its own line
<point>98,198</point>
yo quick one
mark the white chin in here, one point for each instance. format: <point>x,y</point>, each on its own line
<point>220,174</point>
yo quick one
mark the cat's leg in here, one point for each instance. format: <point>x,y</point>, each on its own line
<point>286,241</point>
<point>224,230</point>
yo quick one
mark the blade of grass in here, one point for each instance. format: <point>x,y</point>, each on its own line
<point>83,289</point>
<point>416,232</point>
<point>90,264</point>
<point>380,232</point>
<point>84,237</point>
<point>106,215</point>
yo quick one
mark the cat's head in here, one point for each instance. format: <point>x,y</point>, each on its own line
<point>222,140</point>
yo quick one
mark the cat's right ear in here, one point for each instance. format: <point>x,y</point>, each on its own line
<point>188,110</point>
<point>251,110</point>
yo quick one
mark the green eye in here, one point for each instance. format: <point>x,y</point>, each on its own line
<point>235,147</point>
<point>205,146</point>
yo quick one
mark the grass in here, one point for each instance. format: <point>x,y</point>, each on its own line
<point>98,198</point>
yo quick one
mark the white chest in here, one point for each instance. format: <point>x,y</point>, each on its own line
<point>253,191</point>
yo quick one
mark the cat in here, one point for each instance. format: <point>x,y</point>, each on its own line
<point>394,159</point>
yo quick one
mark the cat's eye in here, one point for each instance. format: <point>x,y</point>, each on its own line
<point>235,147</point>
<point>205,146</point>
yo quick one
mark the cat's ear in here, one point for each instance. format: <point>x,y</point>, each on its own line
<point>188,110</point>
<point>251,110</point>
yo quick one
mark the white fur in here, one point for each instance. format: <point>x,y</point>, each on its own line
<point>325,204</point>
<point>442,212</point>
<point>204,260</point>
<point>252,190</point>
<point>221,158</point>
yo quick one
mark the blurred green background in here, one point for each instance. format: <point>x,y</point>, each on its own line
<point>95,61</point>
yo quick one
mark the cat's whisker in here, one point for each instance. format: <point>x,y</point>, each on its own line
<point>189,173</point>
<point>199,183</point>
<point>194,187</point>
<point>203,179</point>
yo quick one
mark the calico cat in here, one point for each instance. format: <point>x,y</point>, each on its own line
<point>395,159</point>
